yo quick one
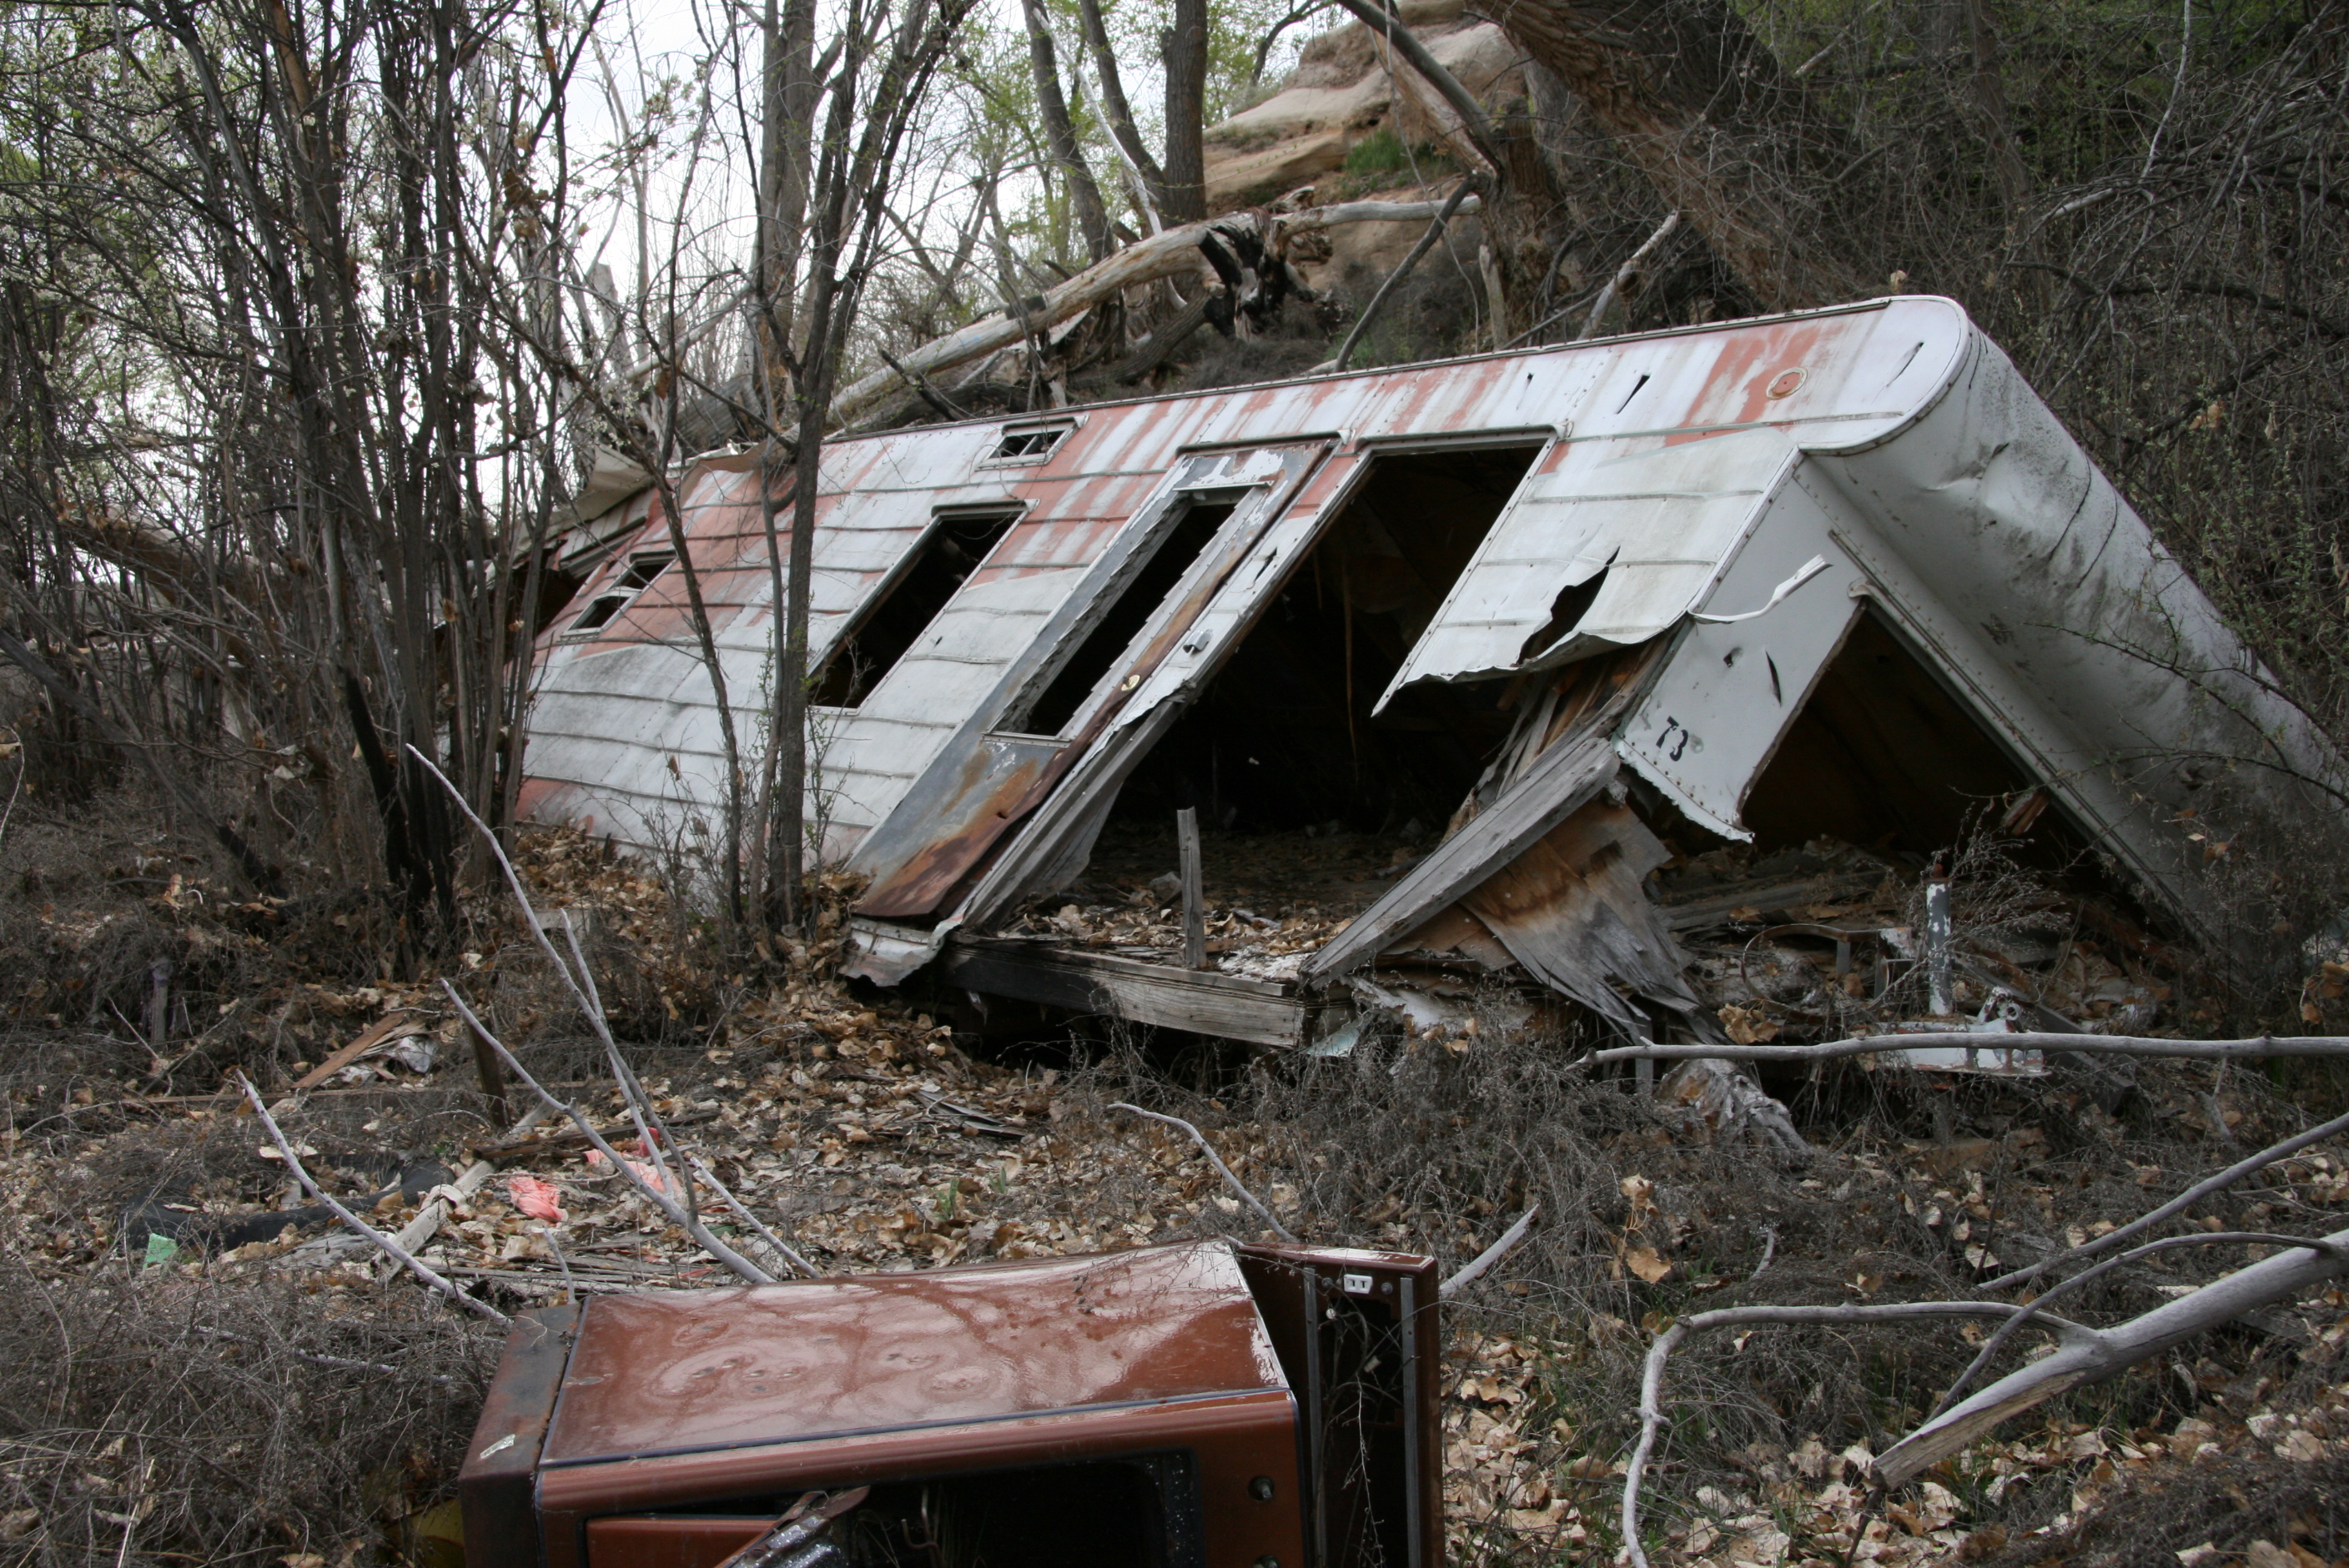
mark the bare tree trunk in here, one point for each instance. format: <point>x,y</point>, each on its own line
<point>1182,47</point>
<point>1987,92</point>
<point>1115,108</point>
<point>1729,138</point>
<point>787,107</point>
<point>1061,137</point>
<point>848,190</point>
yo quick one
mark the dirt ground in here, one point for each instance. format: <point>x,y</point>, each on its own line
<point>193,1368</point>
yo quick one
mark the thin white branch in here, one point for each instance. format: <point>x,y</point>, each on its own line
<point>668,1206</point>
<point>1625,273</point>
<point>2022,1320</point>
<point>2194,1194</point>
<point>2107,1353</point>
<point>1652,1378</point>
<point>741,1212</point>
<point>1215,1160</point>
<point>407,1259</point>
<point>2255,1047</point>
<point>1473,1269</point>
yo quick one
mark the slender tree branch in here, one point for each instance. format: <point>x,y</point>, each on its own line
<point>376,1238</point>
<point>1215,1160</point>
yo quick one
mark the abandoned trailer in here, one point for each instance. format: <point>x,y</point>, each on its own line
<point>1571,673</point>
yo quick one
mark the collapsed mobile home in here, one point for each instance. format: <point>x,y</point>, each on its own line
<point>1522,673</point>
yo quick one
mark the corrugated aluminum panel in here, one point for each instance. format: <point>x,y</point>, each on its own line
<point>1674,442</point>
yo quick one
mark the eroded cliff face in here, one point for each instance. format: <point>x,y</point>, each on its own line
<point>1353,122</point>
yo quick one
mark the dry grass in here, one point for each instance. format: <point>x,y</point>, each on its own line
<point>152,1418</point>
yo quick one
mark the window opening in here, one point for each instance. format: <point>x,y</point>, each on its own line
<point>1304,795</point>
<point>953,549</point>
<point>1031,445</point>
<point>605,607</point>
<point>1176,549</point>
<point>1880,756</point>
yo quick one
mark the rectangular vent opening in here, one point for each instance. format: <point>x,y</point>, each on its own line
<point>955,547</point>
<point>1032,444</point>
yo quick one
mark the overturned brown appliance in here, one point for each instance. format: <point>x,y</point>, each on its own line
<point>1201,1405</point>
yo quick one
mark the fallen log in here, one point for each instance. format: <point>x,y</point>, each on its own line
<point>1171,253</point>
<point>2253,1048</point>
<point>2094,1354</point>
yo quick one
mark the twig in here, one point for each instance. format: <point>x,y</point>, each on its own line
<point>1403,270</point>
<point>570,1290</point>
<point>584,992</point>
<point>1652,1378</point>
<point>741,1212</point>
<point>1473,1269</point>
<point>2256,1046</point>
<point>946,405</point>
<point>733,1259</point>
<point>414,1265</point>
<point>1624,273</point>
<point>1769,1250</point>
<point>2193,1194</point>
<point>1215,1160</point>
<point>660,1143</point>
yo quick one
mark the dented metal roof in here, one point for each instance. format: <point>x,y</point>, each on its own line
<point>1730,497</point>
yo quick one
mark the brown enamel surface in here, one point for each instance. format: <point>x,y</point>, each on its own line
<point>661,1374</point>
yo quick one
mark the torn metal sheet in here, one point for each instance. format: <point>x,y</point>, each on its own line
<point>1571,909</point>
<point>1676,444</point>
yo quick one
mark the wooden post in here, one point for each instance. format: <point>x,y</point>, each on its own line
<point>1194,902</point>
<point>494,1079</point>
<point>158,1007</point>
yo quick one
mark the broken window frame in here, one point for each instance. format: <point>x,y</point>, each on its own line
<point>1025,442</point>
<point>1021,711</point>
<point>1010,514</point>
<point>622,595</point>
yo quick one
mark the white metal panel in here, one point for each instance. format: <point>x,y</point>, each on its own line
<point>1672,440</point>
<point>1714,714</point>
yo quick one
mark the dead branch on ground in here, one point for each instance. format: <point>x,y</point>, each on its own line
<point>654,1194</point>
<point>1652,1378</point>
<point>407,1259</point>
<point>2084,1354</point>
<point>1473,1269</point>
<point>1215,1160</point>
<point>2177,1205</point>
<point>2256,1048</point>
<point>2099,1354</point>
<point>652,1134</point>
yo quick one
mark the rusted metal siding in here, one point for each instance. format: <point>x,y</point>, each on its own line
<point>1674,443</point>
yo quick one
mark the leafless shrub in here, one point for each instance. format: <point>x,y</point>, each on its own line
<point>159,1418</point>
